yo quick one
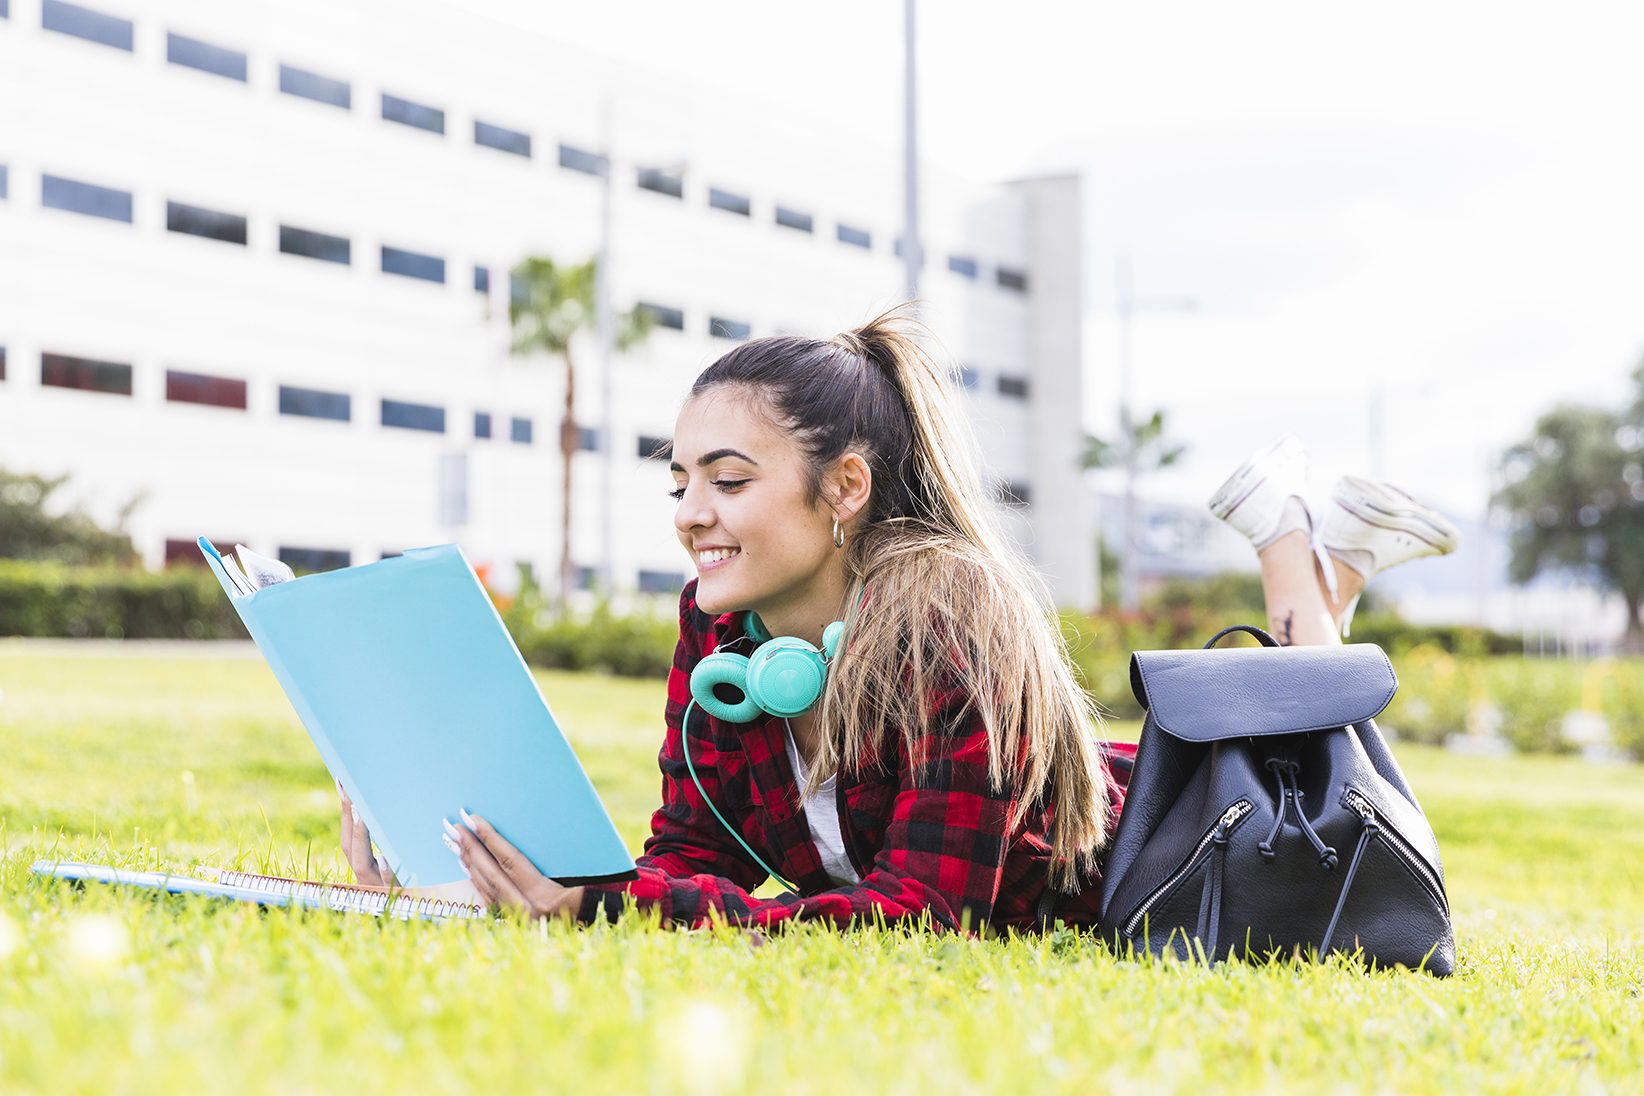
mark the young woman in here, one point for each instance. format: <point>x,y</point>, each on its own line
<point>949,771</point>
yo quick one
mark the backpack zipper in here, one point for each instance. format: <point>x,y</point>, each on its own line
<point>1401,848</point>
<point>1230,818</point>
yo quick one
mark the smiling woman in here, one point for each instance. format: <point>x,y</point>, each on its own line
<point>869,695</point>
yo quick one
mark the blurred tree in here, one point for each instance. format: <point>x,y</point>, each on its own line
<point>548,305</point>
<point>1575,496</point>
<point>28,531</point>
<point>1140,450</point>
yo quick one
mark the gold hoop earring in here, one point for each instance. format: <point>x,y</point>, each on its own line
<point>838,534</point>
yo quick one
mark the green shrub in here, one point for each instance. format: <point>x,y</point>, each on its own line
<point>1621,698</point>
<point>1533,697</point>
<point>639,643</point>
<point>51,599</point>
<point>1436,691</point>
<point>1396,636</point>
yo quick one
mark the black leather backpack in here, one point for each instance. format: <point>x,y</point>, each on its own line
<point>1266,815</point>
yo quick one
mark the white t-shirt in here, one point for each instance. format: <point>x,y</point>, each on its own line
<point>822,816</point>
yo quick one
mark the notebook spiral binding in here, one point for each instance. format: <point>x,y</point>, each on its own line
<point>349,898</point>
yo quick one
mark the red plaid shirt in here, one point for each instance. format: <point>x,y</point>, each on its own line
<point>928,841</point>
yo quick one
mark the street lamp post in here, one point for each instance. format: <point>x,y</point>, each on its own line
<point>1127,305</point>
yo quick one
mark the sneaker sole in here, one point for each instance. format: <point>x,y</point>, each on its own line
<point>1388,508</point>
<point>1246,480</point>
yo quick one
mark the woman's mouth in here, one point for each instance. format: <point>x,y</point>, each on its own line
<point>707,557</point>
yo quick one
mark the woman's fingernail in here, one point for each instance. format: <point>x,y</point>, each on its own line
<point>467,819</point>
<point>450,830</point>
<point>382,865</point>
<point>340,793</point>
<point>355,811</point>
<point>452,845</point>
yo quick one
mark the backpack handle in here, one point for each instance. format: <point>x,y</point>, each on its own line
<point>1266,640</point>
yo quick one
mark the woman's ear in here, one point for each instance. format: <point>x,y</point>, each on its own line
<point>851,484</point>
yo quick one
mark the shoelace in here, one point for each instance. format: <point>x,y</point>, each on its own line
<point>1328,565</point>
<point>1290,796</point>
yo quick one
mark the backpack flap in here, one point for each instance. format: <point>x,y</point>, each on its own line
<point>1239,692</point>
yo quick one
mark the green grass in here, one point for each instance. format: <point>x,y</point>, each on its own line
<point>112,990</point>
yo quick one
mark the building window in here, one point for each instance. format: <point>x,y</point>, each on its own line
<point>588,439</point>
<point>186,553</point>
<point>314,245</point>
<point>205,57</point>
<point>792,218</point>
<point>410,264</point>
<point>1013,279</point>
<point>413,416</point>
<point>504,140</point>
<point>730,203</point>
<point>314,404</point>
<point>663,316</point>
<point>306,561</point>
<point>321,89</point>
<point>856,237</point>
<point>93,201</point>
<point>966,377</point>
<point>520,430</point>
<point>663,182</point>
<point>661,582</point>
<point>2,363</point>
<point>576,159</point>
<point>1015,388</point>
<point>195,221</point>
<point>1014,494</point>
<point>482,279</point>
<point>482,424</point>
<point>93,26</point>
<point>656,448</point>
<point>962,266</point>
<point>5,183</point>
<point>62,371</point>
<point>407,113</point>
<point>200,388</point>
<point>721,328</point>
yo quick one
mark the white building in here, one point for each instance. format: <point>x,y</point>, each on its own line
<point>253,271</point>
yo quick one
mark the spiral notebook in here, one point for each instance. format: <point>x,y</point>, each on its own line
<point>421,706</point>
<point>268,890</point>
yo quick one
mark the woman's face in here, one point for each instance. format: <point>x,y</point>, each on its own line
<point>757,542</point>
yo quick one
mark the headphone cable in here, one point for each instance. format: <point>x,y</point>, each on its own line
<point>685,746</point>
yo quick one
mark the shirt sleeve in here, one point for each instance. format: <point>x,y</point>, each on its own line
<point>942,860</point>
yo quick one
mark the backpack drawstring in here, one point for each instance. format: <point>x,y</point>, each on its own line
<point>1290,796</point>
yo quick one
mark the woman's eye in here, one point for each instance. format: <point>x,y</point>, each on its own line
<point>677,493</point>
<point>729,485</point>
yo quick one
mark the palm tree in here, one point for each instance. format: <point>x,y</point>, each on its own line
<point>548,304</point>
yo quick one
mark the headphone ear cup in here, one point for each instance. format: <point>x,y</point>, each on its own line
<point>724,672</point>
<point>785,676</point>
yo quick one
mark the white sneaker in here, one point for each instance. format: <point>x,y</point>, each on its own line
<point>1266,497</point>
<point>1372,526</point>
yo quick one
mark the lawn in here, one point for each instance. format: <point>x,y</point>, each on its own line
<point>183,760</point>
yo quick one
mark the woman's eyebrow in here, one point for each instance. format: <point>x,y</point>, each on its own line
<point>720,454</point>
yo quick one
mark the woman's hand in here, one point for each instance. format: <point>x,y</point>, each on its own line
<point>369,868</point>
<point>504,876</point>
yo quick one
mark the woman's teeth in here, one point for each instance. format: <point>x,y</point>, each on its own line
<point>714,555</point>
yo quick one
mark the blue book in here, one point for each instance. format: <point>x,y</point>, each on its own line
<point>421,705</point>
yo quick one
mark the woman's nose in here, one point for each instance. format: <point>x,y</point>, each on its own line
<point>693,511</point>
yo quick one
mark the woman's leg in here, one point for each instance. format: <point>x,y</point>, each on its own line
<point>1300,610</point>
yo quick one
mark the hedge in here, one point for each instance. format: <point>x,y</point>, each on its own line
<point>51,599</point>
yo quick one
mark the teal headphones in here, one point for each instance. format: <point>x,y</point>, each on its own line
<point>783,677</point>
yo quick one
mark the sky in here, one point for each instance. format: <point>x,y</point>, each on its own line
<point>1424,215</point>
